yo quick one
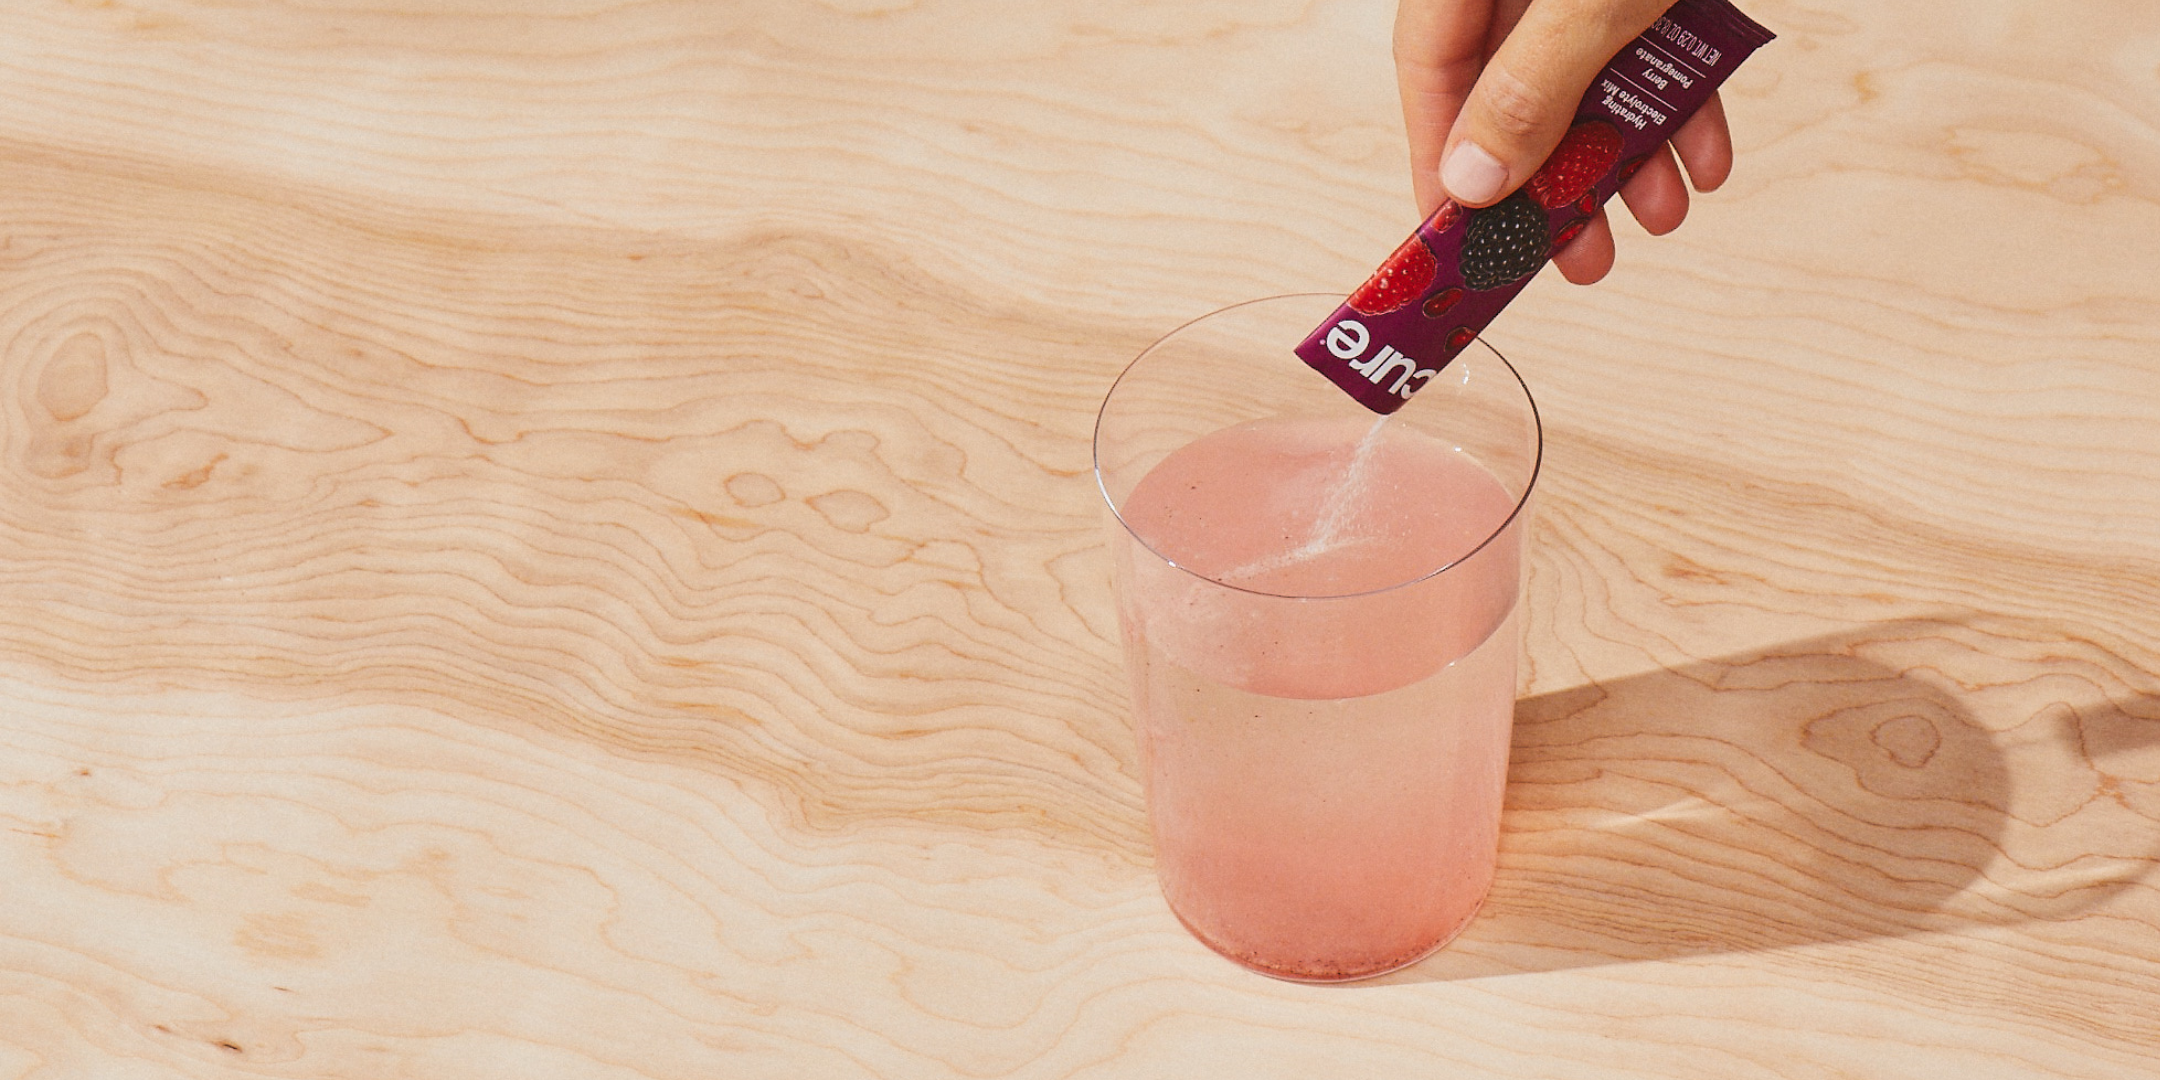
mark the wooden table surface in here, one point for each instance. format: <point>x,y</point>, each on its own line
<point>557,540</point>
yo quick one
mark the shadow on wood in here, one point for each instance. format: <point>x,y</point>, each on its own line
<point>1924,775</point>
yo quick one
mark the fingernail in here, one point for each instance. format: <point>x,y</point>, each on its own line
<point>1471,175</point>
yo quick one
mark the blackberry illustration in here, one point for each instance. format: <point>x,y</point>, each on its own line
<point>1505,243</point>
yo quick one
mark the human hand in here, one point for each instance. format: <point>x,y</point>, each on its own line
<point>1490,86</point>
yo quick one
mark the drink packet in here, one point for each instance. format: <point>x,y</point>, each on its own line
<point>1431,298</point>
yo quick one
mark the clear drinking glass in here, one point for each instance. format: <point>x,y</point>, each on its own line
<point>1319,616</point>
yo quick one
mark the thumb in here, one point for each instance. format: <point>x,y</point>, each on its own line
<point>1526,97</point>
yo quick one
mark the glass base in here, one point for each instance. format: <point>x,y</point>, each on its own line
<point>1323,977</point>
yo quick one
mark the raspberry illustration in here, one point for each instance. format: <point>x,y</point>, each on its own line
<point>1506,242</point>
<point>1459,339</point>
<point>1402,278</point>
<point>1627,170</point>
<point>1438,303</point>
<point>1587,204</point>
<point>1445,218</point>
<point>1585,154</point>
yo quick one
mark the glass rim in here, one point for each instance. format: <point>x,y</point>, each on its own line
<point>1537,463</point>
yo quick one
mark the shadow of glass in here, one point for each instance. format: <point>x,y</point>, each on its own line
<point>1901,778</point>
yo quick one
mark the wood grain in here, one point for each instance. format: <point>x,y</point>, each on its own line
<point>557,540</point>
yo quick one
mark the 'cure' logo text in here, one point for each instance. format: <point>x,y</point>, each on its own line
<point>1347,340</point>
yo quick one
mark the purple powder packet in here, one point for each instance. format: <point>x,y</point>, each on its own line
<point>1430,299</point>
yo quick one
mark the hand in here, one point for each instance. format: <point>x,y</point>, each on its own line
<point>1490,86</point>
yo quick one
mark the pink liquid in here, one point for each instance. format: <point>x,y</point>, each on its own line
<point>1324,776</point>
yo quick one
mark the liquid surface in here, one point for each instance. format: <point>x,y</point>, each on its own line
<point>1315,507</point>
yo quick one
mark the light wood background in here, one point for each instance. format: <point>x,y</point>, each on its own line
<point>555,540</point>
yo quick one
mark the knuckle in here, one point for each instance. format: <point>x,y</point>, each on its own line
<point>1514,108</point>
<point>1409,52</point>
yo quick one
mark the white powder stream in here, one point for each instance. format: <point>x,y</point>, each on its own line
<point>1328,524</point>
